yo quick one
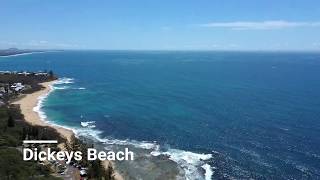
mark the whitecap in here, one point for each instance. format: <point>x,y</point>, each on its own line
<point>189,162</point>
<point>38,107</point>
<point>61,87</point>
<point>64,80</point>
<point>136,144</point>
<point>88,124</point>
<point>208,171</point>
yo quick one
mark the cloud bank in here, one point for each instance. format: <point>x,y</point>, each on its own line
<point>260,25</point>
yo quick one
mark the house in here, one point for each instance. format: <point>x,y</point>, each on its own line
<point>25,73</point>
<point>41,74</point>
<point>17,87</point>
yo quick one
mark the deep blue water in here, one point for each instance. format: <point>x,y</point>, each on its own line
<point>259,110</point>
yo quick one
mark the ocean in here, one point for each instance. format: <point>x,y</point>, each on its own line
<point>190,114</point>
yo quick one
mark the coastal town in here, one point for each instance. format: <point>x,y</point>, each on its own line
<point>13,83</point>
<point>16,127</point>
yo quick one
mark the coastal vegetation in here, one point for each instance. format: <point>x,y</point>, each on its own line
<point>95,169</point>
<point>12,132</point>
<point>14,129</point>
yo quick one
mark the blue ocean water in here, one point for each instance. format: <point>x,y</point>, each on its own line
<point>256,113</point>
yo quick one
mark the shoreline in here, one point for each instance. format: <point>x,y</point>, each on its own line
<point>22,54</point>
<point>27,104</point>
<point>30,101</point>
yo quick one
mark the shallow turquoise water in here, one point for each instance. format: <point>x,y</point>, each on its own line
<point>260,111</point>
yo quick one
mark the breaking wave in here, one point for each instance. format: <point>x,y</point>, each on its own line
<point>60,87</point>
<point>64,80</point>
<point>41,99</point>
<point>190,162</point>
<point>88,124</point>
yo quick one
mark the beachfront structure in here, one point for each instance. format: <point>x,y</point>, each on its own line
<point>17,87</point>
<point>25,73</point>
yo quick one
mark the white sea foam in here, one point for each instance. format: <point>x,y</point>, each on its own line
<point>41,99</point>
<point>81,88</point>
<point>136,144</point>
<point>190,162</point>
<point>208,171</point>
<point>64,80</point>
<point>88,124</point>
<point>60,87</point>
<point>39,105</point>
<point>87,132</point>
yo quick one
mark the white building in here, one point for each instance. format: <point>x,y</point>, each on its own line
<point>17,87</point>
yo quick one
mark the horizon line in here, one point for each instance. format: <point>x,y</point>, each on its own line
<point>205,50</point>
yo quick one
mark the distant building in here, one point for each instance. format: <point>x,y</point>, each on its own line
<point>17,87</point>
<point>5,72</point>
<point>41,74</point>
<point>24,73</point>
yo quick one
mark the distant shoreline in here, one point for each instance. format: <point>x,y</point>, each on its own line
<point>22,53</point>
<point>13,53</point>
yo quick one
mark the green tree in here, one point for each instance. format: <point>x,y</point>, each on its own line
<point>96,170</point>
<point>109,173</point>
<point>11,121</point>
<point>24,133</point>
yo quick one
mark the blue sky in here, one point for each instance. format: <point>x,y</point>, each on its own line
<point>161,25</point>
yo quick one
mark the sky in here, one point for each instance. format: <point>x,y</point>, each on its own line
<point>161,25</point>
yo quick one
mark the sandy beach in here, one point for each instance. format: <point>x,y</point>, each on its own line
<point>29,101</point>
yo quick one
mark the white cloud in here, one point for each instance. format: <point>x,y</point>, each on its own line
<point>212,46</point>
<point>263,25</point>
<point>39,44</point>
